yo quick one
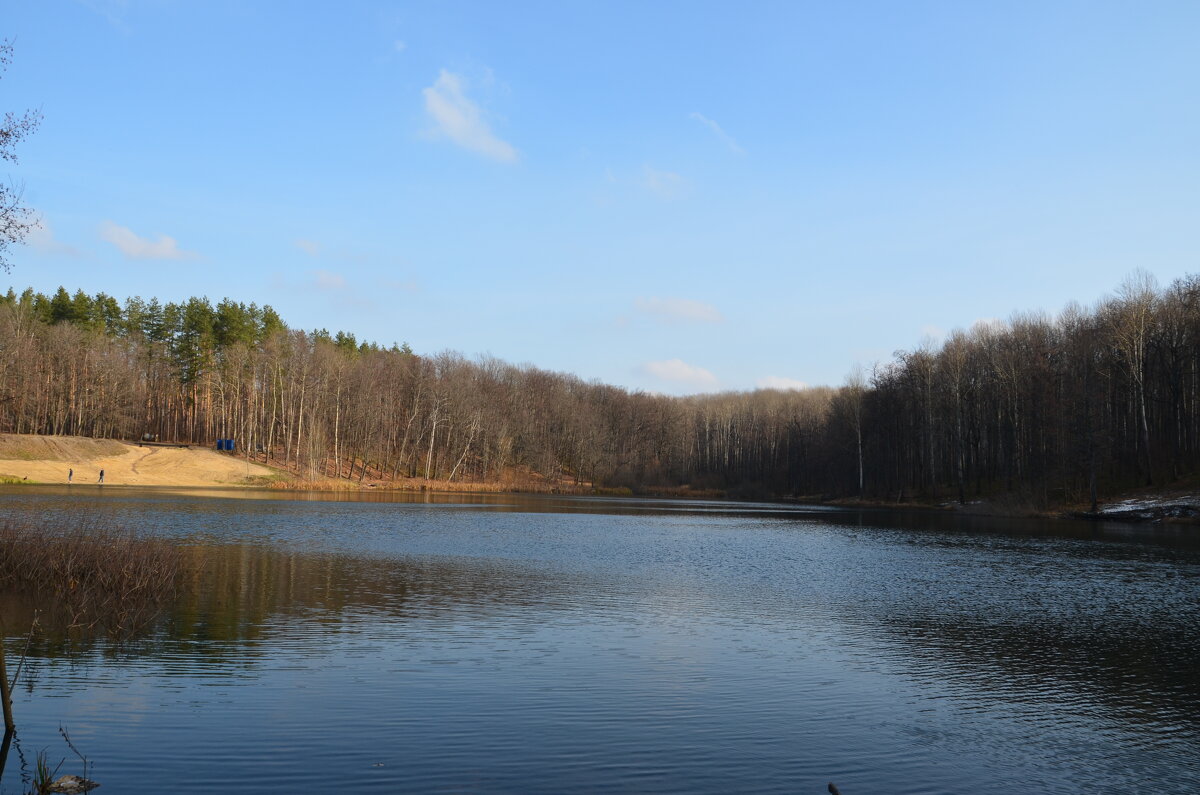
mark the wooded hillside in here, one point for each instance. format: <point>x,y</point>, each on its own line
<point>1050,408</point>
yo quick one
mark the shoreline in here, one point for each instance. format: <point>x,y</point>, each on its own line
<point>1143,506</point>
<point>1128,511</point>
<point>27,459</point>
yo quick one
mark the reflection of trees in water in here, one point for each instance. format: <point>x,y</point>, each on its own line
<point>1141,671</point>
<point>1027,623</point>
<point>235,597</point>
<point>1012,618</point>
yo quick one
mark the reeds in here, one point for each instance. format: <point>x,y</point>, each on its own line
<point>87,575</point>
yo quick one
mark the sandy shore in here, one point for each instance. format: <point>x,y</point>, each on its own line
<point>47,459</point>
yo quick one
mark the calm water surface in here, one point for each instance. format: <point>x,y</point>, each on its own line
<point>503,644</point>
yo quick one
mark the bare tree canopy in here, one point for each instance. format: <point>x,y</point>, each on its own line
<point>16,220</point>
<point>1049,410</point>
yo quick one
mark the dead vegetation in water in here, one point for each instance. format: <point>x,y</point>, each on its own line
<point>87,576</point>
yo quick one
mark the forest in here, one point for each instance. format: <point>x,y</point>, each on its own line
<point>1051,410</point>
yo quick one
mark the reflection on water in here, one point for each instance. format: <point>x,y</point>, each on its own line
<point>553,644</point>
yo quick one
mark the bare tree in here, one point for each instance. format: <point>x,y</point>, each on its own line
<point>1132,321</point>
<point>16,220</point>
<point>1051,409</point>
<point>853,394</point>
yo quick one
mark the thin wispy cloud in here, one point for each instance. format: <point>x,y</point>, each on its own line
<point>679,309</point>
<point>932,333</point>
<point>310,247</point>
<point>399,46</point>
<point>781,383</point>
<point>664,184</point>
<point>399,285</point>
<point>328,280</point>
<point>41,238</point>
<point>462,121</point>
<point>134,246</point>
<point>724,137</point>
<point>680,372</point>
<point>318,280</point>
<point>114,11</point>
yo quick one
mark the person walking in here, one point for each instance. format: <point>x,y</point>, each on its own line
<point>101,475</point>
<point>70,475</point>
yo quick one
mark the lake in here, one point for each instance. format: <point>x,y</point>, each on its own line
<point>399,643</point>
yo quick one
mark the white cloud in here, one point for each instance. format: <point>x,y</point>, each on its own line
<point>310,247</point>
<point>461,120</point>
<point>724,137</point>
<point>399,46</point>
<point>779,382</point>
<point>135,247</point>
<point>664,184</point>
<point>41,237</point>
<point>681,372</point>
<point>327,280</point>
<point>680,309</point>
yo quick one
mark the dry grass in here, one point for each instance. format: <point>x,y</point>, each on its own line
<point>514,480</point>
<point>25,447</point>
<point>89,577</point>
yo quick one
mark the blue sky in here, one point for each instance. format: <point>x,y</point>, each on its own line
<point>668,196</point>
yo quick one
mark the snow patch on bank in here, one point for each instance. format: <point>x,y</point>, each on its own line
<point>1150,503</point>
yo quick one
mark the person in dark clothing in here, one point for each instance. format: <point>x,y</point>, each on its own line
<point>101,475</point>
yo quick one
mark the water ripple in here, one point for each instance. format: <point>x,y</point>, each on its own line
<point>616,647</point>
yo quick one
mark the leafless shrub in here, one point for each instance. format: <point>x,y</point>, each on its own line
<point>89,576</point>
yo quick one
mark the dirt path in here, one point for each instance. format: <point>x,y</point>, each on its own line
<point>134,465</point>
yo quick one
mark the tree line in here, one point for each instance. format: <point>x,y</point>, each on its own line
<point>1055,409</point>
<point>1059,409</point>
